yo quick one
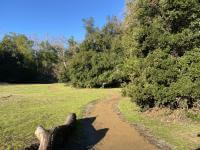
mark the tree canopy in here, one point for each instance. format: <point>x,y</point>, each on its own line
<point>161,41</point>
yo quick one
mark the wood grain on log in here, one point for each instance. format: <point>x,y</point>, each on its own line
<point>56,138</point>
<point>43,136</point>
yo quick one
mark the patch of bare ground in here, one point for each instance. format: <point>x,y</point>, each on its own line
<point>116,133</point>
<point>5,97</point>
<point>143,131</point>
<point>180,123</point>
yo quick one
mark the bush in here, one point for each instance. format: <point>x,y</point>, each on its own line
<point>92,69</point>
<point>165,80</point>
<point>162,43</point>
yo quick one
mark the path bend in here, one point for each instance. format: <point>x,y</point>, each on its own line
<point>118,135</point>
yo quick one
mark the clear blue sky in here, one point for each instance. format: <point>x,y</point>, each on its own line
<point>55,17</point>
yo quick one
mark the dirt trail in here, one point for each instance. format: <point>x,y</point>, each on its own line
<point>116,134</point>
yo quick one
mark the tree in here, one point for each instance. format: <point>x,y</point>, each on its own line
<point>47,60</point>
<point>89,26</point>
<point>95,61</point>
<point>16,59</point>
<point>159,36</point>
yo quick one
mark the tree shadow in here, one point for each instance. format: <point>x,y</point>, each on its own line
<point>87,137</point>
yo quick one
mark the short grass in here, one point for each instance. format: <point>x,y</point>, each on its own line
<point>182,136</point>
<point>24,107</point>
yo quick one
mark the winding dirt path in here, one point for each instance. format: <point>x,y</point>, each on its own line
<point>118,135</point>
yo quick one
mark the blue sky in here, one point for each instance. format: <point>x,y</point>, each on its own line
<point>55,17</point>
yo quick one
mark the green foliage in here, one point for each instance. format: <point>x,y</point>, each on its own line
<point>91,69</point>
<point>162,52</point>
<point>193,116</point>
<point>47,59</point>
<point>16,59</point>
<point>20,63</point>
<point>96,62</point>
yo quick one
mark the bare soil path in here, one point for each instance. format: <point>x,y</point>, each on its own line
<point>110,132</point>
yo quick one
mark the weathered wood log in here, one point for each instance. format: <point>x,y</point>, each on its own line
<point>60,135</point>
<point>43,136</point>
<point>56,138</point>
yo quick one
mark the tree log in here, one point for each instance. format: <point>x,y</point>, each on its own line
<point>56,138</point>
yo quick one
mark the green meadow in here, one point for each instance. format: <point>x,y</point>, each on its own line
<point>24,107</point>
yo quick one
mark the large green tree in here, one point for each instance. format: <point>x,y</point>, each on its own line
<point>161,40</point>
<point>98,57</point>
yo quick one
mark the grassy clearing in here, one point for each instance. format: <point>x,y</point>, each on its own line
<point>24,107</point>
<point>182,136</point>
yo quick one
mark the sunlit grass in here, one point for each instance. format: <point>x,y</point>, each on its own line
<point>24,107</point>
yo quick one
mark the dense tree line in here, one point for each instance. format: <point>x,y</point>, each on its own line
<point>16,59</point>
<point>91,63</point>
<point>22,62</point>
<point>154,54</point>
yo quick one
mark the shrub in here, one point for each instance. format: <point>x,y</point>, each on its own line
<point>92,69</point>
<point>162,42</point>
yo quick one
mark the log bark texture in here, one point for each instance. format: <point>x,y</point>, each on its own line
<point>56,138</point>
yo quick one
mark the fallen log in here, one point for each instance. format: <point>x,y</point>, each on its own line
<point>56,138</point>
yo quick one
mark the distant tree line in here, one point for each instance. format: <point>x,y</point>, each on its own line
<point>91,63</point>
<point>153,54</point>
<point>21,63</point>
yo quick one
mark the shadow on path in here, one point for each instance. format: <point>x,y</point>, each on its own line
<point>89,136</point>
